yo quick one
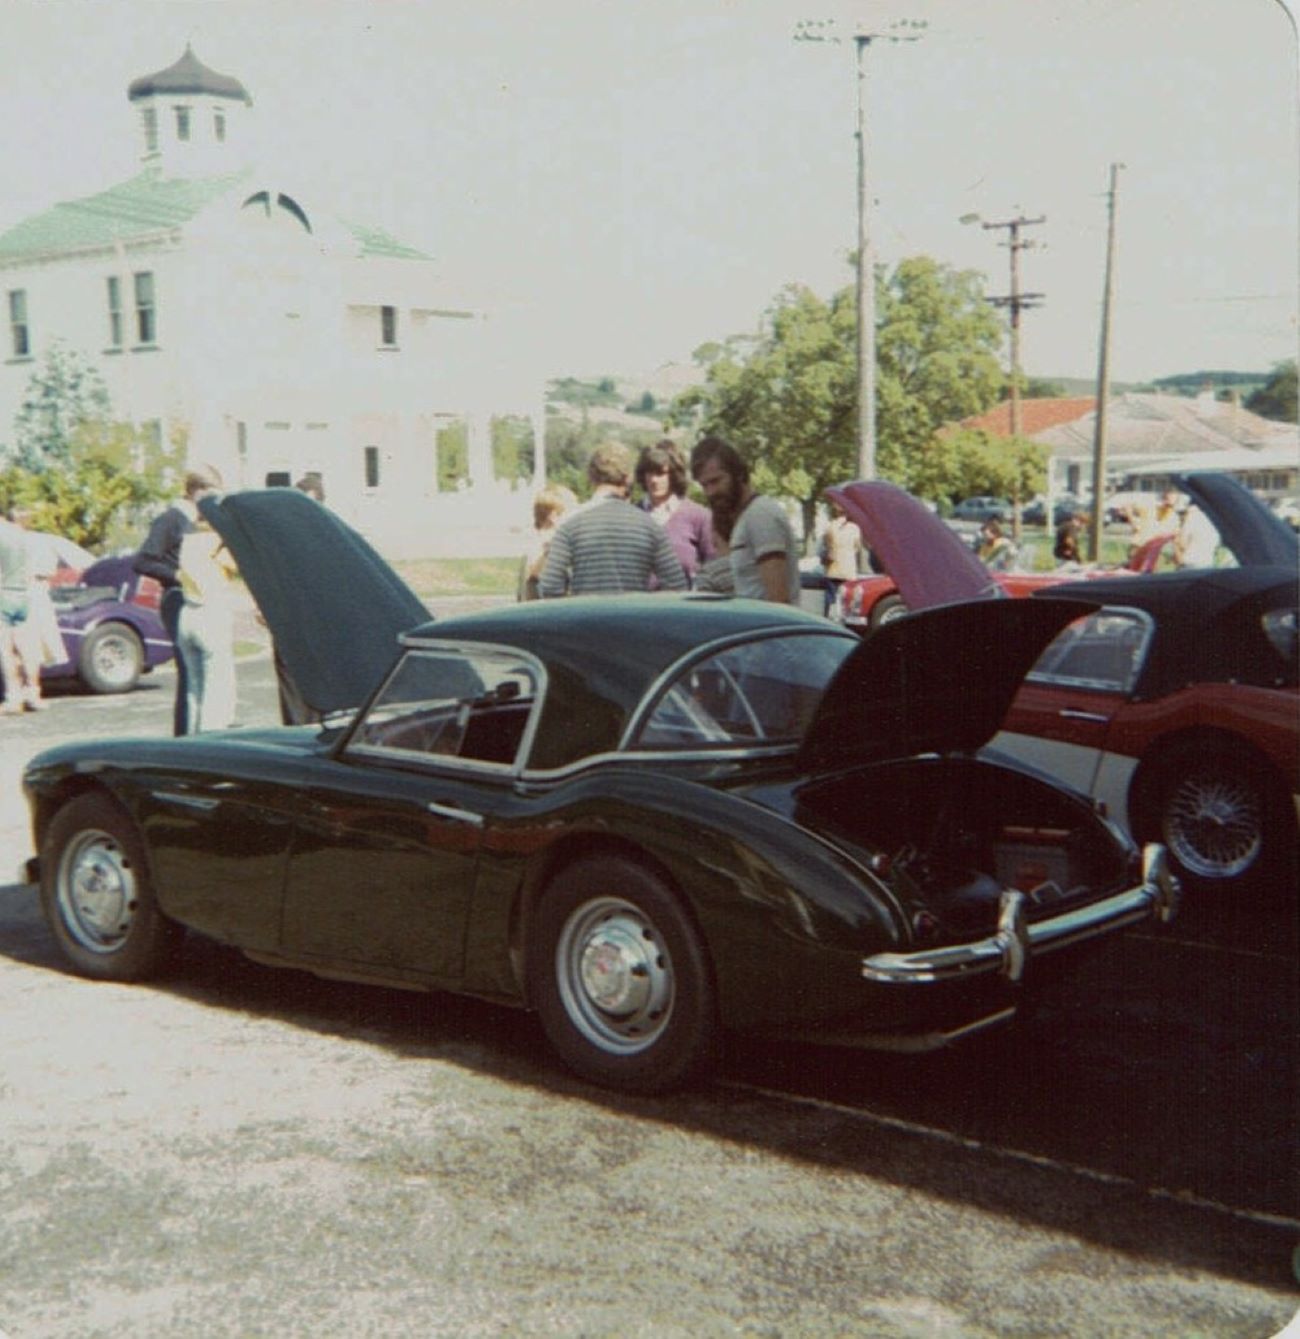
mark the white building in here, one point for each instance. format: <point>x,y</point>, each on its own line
<point>216,298</point>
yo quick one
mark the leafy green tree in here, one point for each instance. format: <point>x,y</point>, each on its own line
<point>1277,397</point>
<point>1039,388</point>
<point>788,400</point>
<point>980,463</point>
<point>62,394</point>
<point>512,448</point>
<point>452,447</point>
<point>936,354</point>
<point>111,476</point>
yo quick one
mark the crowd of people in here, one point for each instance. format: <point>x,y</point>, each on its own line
<point>740,543</point>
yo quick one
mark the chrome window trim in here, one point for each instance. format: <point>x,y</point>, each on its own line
<point>730,753</point>
<point>469,766</point>
<point>1148,624</point>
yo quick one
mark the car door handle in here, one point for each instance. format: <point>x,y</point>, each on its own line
<point>455,813</point>
<point>1073,714</point>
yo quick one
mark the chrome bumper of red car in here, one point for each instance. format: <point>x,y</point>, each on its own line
<point>1016,941</point>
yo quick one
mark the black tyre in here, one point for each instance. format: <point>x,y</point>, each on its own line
<point>96,895</point>
<point>1217,811</point>
<point>887,609</point>
<point>620,978</point>
<point>111,659</point>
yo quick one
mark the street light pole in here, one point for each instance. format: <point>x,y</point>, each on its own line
<point>1103,376</point>
<point>866,284</point>
<point>902,30</point>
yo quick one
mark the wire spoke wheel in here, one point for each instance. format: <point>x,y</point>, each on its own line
<point>1214,823</point>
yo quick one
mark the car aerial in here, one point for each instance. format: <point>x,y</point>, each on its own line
<point>652,819</point>
<point>1175,704</point>
<point>112,631</point>
<point>981,509</point>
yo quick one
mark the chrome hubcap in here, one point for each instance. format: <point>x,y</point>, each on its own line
<point>1213,825</point>
<point>96,891</point>
<point>614,975</point>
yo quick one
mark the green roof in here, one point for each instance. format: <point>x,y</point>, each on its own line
<point>145,205</point>
<point>376,242</point>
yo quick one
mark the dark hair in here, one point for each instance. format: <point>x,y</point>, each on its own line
<point>312,484</point>
<point>720,450</point>
<point>663,455</point>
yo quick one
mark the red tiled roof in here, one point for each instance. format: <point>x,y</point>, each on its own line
<point>1035,415</point>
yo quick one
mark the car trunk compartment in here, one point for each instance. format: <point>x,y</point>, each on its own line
<point>948,835</point>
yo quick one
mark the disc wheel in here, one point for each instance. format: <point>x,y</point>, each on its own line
<point>111,659</point>
<point>96,896</point>
<point>621,979</point>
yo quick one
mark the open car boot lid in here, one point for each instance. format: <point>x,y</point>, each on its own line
<point>938,681</point>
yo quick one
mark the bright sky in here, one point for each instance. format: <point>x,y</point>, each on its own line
<point>627,179</point>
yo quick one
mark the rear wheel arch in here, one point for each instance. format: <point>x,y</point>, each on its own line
<point>571,850</point>
<point>620,973</point>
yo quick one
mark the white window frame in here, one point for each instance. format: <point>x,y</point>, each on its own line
<point>20,334</point>
<point>146,308</point>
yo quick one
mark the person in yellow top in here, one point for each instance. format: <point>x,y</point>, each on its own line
<point>840,552</point>
<point>205,635</point>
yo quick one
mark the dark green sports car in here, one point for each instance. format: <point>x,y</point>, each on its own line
<point>653,818</point>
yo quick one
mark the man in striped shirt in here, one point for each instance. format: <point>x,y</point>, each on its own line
<point>607,546</point>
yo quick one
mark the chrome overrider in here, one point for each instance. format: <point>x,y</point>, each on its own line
<point>1016,941</point>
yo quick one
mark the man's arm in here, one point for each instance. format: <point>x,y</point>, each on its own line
<point>668,568</point>
<point>163,537</point>
<point>555,575</point>
<point>772,573</point>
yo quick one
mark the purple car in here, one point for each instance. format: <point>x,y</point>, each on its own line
<point>111,629</point>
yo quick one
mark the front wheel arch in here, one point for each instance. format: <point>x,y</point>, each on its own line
<point>97,893</point>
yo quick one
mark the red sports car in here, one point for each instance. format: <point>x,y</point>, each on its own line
<point>868,601</point>
<point>1176,704</point>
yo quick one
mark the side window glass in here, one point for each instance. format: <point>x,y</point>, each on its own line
<point>468,705</point>
<point>1103,651</point>
<point>763,692</point>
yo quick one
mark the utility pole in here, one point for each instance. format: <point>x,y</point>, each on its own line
<point>1103,376</point>
<point>1015,302</point>
<point>820,30</point>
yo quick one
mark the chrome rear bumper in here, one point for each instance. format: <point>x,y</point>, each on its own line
<point>1016,941</point>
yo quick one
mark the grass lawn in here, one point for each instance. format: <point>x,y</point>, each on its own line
<point>429,577</point>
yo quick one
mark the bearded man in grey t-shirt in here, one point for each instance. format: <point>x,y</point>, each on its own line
<point>764,553</point>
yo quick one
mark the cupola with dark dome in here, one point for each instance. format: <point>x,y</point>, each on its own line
<point>187,113</point>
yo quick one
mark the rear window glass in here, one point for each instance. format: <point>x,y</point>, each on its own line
<point>762,692</point>
<point>1103,651</point>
